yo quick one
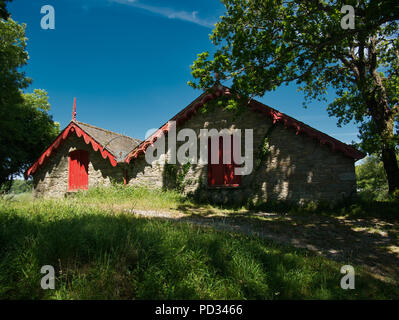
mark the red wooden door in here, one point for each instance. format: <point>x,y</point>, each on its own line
<point>230,178</point>
<point>78,170</point>
<point>215,171</point>
<point>220,174</point>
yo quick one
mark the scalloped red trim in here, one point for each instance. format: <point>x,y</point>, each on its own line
<point>254,105</point>
<point>71,128</point>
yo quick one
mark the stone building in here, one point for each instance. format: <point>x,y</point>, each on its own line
<point>82,156</point>
<point>292,161</point>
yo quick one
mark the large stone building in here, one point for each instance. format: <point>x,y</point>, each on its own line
<point>292,161</point>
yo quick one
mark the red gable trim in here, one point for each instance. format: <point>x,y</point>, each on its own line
<point>254,105</point>
<point>70,129</point>
<point>302,128</point>
<point>180,118</point>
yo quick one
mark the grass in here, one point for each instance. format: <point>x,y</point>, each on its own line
<point>353,209</point>
<point>137,197</point>
<point>119,197</point>
<point>106,254</point>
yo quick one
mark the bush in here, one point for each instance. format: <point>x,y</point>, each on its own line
<point>371,180</point>
<point>17,186</point>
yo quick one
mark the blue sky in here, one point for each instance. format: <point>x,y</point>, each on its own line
<point>128,62</point>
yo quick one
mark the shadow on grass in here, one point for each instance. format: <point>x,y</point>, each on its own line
<point>101,256</point>
<point>346,241</point>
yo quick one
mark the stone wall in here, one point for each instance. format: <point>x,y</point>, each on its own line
<point>51,179</point>
<point>296,168</point>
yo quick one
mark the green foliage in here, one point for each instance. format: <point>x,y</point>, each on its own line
<point>235,105</point>
<point>3,10</point>
<point>175,175</point>
<point>181,176</point>
<point>262,153</point>
<point>371,179</point>
<point>265,147</point>
<point>26,127</point>
<point>21,186</point>
<point>98,255</point>
<point>16,186</point>
<point>13,56</point>
<point>261,45</point>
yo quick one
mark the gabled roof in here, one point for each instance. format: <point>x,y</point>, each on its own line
<point>256,106</point>
<point>111,145</point>
<point>119,145</point>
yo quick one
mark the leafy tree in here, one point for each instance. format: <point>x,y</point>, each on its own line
<point>18,186</point>
<point>3,11</point>
<point>371,178</point>
<point>13,56</point>
<point>26,128</point>
<point>262,44</point>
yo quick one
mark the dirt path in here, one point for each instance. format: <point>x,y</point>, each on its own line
<point>372,244</point>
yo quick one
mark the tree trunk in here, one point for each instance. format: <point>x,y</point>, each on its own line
<point>384,118</point>
<point>391,168</point>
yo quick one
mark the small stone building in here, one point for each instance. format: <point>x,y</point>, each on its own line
<point>82,156</point>
<point>292,161</point>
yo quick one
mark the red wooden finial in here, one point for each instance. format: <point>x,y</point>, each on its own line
<point>74,110</point>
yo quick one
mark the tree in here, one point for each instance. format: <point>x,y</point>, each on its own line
<point>371,178</point>
<point>13,57</point>
<point>26,128</point>
<point>263,44</point>
<point>3,11</point>
<point>18,186</point>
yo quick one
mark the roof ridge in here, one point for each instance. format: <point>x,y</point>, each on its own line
<point>105,130</point>
<point>171,119</point>
<point>275,115</point>
<point>73,126</point>
<point>302,123</point>
<point>297,121</point>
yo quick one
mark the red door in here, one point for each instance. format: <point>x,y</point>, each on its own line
<point>220,174</point>
<point>78,170</point>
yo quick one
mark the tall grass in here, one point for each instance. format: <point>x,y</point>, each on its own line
<point>119,197</point>
<point>100,254</point>
<point>137,197</point>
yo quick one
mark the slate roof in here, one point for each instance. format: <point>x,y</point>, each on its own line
<point>111,145</point>
<point>119,145</point>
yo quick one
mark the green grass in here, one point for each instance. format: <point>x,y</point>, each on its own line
<point>353,209</point>
<point>119,197</point>
<point>105,254</point>
<point>128,197</point>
